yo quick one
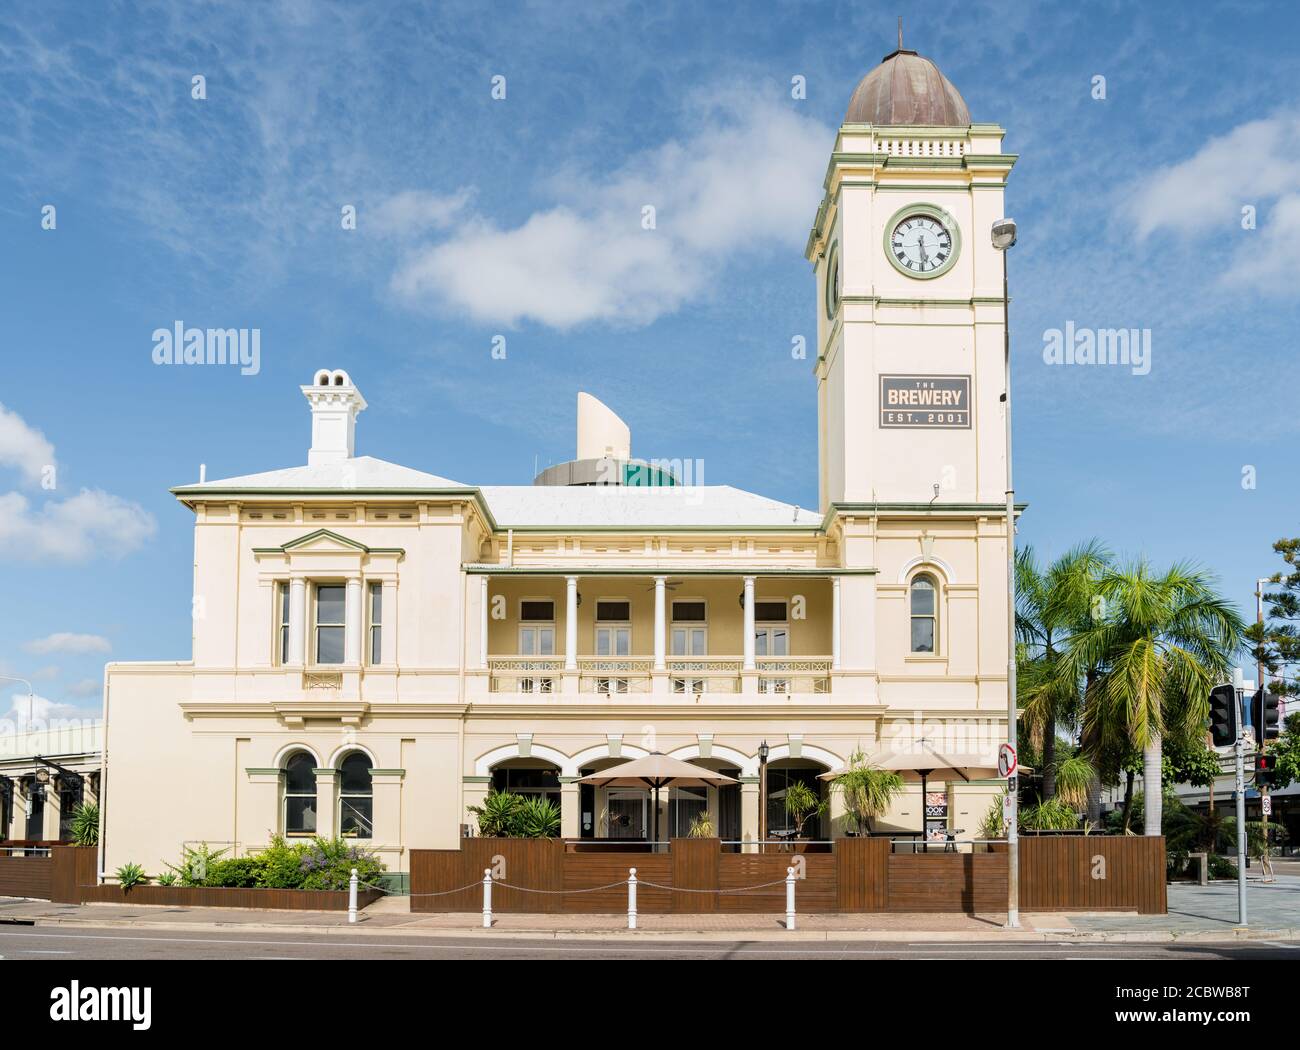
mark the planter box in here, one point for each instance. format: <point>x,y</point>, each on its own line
<point>228,897</point>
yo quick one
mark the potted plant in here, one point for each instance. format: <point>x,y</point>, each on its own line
<point>702,827</point>
<point>868,791</point>
<point>802,805</point>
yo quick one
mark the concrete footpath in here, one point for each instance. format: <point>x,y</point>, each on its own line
<point>1196,913</point>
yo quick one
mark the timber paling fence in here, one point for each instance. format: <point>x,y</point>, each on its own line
<point>66,875</point>
<point>1081,873</point>
<point>1058,873</point>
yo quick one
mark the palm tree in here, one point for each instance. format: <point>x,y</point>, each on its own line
<point>1158,645</point>
<point>1052,603</point>
<point>867,791</point>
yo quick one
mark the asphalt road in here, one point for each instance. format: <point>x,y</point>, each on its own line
<point>64,943</point>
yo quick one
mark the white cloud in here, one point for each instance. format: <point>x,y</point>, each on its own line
<point>67,642</point>
<point>747,176</point>
<point>23,446</point>
<point>1252,165</point>
<point>92,522</point>
<point>86,687</point>
<point>416,211</point>
<point>38,708</point>
<point>71,529</point>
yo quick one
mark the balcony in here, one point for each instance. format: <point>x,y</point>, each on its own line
<point>694,677</point>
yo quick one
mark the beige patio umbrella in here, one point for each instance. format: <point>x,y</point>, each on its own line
<point>654,771</point>
<point>924,760</point>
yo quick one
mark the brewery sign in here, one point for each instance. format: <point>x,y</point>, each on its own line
<point>940,402</point>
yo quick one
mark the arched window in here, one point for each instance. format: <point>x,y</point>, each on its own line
<point>925,617</point>
<point>356,797</point>
<point>300,794</point>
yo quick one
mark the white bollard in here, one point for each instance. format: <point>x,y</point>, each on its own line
<point>631,898</point>
<point>789,898</point>
<point>352,897</point>
<point>487,898</point>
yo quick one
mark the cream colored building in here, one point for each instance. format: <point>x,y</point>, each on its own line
<point>375,646</point>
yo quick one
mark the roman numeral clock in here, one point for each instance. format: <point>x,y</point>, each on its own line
<point>922,241</point>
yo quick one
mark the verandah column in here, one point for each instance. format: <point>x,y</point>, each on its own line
<point>570,803</point>
<point>661,626</point>
<point>571,623</point>
<point>483,621</point>
<point>749,668</point>
<point>835,623</point>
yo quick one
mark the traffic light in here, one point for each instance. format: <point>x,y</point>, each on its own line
<point>1223,715</point>
<point>1264,714</point>
<point>1264,766</point>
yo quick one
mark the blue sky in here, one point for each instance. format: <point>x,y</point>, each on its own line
<point>480,217</point>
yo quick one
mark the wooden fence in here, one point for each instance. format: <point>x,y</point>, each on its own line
<point>27,876</point>
<point>1091,873</point>
<point>68,876</point>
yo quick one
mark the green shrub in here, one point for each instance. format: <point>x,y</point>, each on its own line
<point>282,864</point>
<point>539,818</point>
<point>498,817</point>
<point>234,871</point>
<point>85,824</point>
<point>992,826</point>
<point>167,878</point>
<point>1052,815</point>
<point>1222,867</point>
<point>129,875</point>
<point>195,862</point>
<point>327,865</point>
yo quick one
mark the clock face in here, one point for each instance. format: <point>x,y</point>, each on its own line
<point>921,244</point>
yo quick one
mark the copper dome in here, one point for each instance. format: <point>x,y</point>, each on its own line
<point>907,89</point>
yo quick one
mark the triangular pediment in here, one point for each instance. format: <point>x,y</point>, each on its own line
<point>325,541</point>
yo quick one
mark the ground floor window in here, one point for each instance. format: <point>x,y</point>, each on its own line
<point>300,794</point>
<point>356,797</point>
<point>528,781</point>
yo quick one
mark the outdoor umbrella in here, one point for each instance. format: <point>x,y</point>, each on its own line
<point>654,771</point>
<point>924,760</point>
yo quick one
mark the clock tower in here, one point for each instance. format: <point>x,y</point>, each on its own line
<point>909,297</point>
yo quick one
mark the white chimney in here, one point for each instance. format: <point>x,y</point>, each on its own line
<point>335,403</point>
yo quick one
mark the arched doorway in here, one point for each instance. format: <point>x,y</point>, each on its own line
<point>721,804</point>
<point>530,777</point>
<point>781,775</point>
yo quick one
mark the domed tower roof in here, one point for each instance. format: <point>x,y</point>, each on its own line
<point>907,89</point>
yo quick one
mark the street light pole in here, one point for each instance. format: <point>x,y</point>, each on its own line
<point>763,752</point>
<point>1004,238</point>
<point>31,696</point>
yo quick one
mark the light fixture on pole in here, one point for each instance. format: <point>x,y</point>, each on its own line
<point>1004,238</point>
<point>31,696</point>
<point>763,752</point>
